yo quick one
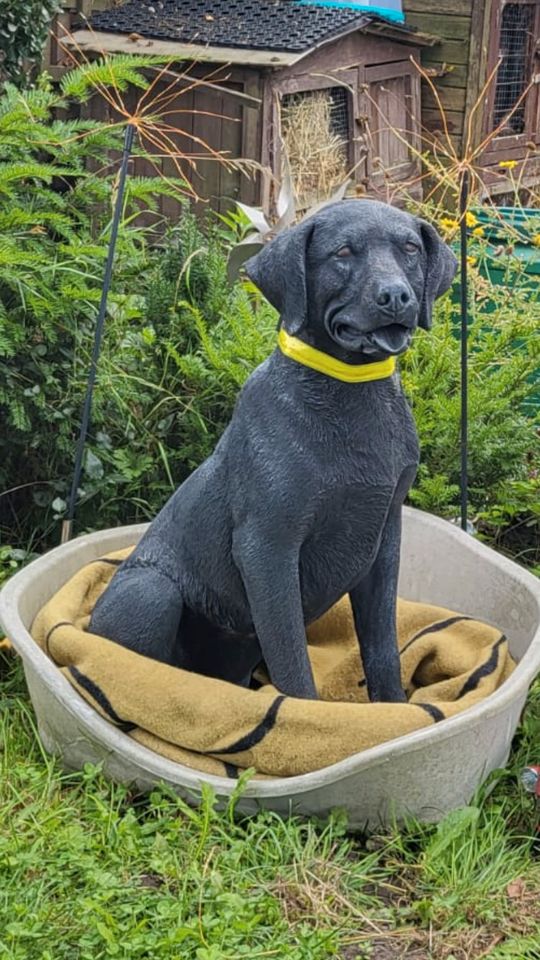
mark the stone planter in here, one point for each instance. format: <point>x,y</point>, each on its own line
<point>426,773</point>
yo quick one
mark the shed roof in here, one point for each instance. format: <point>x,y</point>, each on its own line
<point>280,25</point>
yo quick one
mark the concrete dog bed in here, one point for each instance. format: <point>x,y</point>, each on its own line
<point>426,773</point>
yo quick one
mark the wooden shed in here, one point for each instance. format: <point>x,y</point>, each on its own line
<point>475,37</point>
<point>354,67</point>
<point>353,64</point>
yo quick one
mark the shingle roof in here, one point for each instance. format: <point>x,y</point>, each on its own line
<point>258,24</point>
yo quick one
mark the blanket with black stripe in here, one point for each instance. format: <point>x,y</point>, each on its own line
<point>448,663</point>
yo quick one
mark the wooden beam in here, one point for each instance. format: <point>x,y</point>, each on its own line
<point>437,142</point>
<point>251,138</point>
<point>447,51</point>
<point>245,99</point>
<point>448,28</point>
<point>481,24</point>
<point>432,120</point>
<point>496,182</point>
<point>414,38</point>
<point>55,72</point>
<point>103,42</point>
<point>446,8</point>
<point>452,98</point>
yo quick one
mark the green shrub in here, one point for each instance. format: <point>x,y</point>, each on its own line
<point>169,379</point>
<point>54,225</point>
<point>10,561</point>
<point>23,31</point>
<point>504,455</point>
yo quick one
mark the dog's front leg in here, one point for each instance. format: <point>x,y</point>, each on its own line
<point>272,582</point>
<point>373,602</point>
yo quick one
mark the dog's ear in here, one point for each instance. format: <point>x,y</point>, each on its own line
<point>279,271</point>
<point>441,267</point>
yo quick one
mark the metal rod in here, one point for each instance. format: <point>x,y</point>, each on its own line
<point>67,525</point>
<point>463,204</point>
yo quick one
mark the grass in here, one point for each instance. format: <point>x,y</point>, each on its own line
<point>89,870</point>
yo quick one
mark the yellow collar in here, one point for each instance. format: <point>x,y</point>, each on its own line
<point>310,357</point>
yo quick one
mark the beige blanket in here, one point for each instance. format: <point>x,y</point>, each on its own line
<point>448,663</point>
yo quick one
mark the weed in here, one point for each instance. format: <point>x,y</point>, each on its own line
<point>90,870</point>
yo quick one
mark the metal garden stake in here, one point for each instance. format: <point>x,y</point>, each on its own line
<point>67,525</point>
<point>463,203</point>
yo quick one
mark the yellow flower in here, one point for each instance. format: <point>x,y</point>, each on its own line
<point>508,164</point>
<point>471,261</point>
<point>536,240</point>
<point>470,219</point>
<point>478,232</point>
<point>448,224</point>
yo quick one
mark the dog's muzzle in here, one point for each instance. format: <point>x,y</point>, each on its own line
<point>390,340</point>
<point>387,340</point>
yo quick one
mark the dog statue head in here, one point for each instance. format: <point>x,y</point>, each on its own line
<point>356,278</point>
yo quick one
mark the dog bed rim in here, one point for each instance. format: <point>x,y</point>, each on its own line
<point>160,768</point>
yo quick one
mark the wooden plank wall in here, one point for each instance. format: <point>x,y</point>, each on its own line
<point>55,59</point>
<point>461,62</point>
<point>448,61</point>
<point>199,121</point>
<point>385,106</point>
<point>205,117</point>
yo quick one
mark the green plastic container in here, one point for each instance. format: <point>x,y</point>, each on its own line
<point>523,224</point>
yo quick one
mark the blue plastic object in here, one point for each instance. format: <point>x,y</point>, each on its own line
<point>389,9</point>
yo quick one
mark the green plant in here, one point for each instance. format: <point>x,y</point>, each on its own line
<point>504,460</point>
<point>23,31</point>
<point>168,384</point>
<point>11,560</point>
<point>54,224</point>
<point>91,870</point>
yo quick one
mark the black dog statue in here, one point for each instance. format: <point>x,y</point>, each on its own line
<point>300,502</point>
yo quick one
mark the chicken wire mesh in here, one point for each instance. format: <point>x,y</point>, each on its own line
<point>338,107</point>
<point>513,76</point>
<point>315,128</point>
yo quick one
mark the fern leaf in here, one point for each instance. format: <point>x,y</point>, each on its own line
<point>18,415</point>
<point>147,190</point>
<point>10,173</point>
<point>8,344</point>
<point>17,218</point>
<point>119,73</point>
<point>12,254</point>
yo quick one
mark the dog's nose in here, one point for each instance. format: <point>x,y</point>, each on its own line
<point>393,298</point>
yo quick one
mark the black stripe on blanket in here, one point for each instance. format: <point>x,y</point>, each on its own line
<point>434,712</point>
<point>433,628</point>
<point>97,694</point>
<point>61,623</point>
<point>484,669</point>
<point>256,735</point>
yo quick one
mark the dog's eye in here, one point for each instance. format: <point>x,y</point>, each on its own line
<point>411,247</point>
<point>344,252</point>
